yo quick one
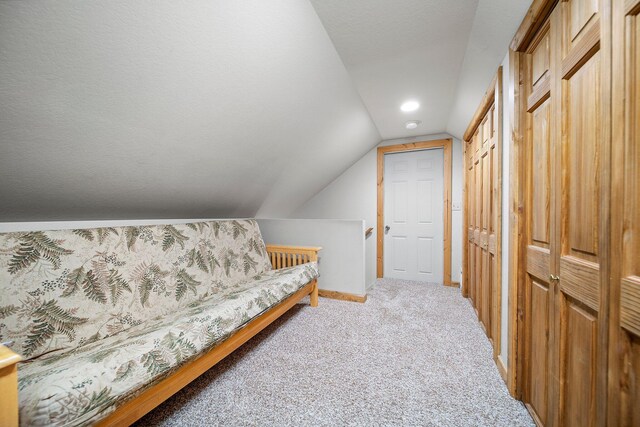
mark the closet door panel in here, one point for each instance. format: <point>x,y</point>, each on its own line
<point>579,399</point>
<point>471,206</point>
<point>539,367</point>
<point>538,255</point>
<point>471,215</point>
<point>540,214</point>
<point>495,208</point>
<point>583,137</point>
<point>581,350</point>
<point>540,58</point>
<point>580,16</point>
<point>539,296</point>
<point>485,299</point>
<point>477,170</point>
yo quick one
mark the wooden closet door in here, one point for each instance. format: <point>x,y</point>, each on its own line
<point>581,293</point>
<point>485,160</point>
<point>477,169</point>
<point>495,222</point>
<point>624,354</point>
<point>580,311</point>
<point>471,215</point>
<point>483,211</point>
<point>483,220</point>
<point>539,293</point>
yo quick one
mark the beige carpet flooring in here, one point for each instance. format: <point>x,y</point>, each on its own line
<point>412,355</point>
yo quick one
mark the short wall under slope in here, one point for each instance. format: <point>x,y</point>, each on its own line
<point>342,265</point>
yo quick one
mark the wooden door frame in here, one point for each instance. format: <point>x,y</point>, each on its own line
<point>446,145</point>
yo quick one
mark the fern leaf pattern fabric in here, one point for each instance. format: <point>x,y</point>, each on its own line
<point>98,376</point>
<point>62,289</point>
<point>100,314</point>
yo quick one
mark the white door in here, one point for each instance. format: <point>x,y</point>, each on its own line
<point>414,215</point>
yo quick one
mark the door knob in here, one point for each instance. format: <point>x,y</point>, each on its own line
<point>386,229</point>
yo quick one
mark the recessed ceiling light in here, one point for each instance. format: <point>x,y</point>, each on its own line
<point>412,124</point>
<point>410,106</point>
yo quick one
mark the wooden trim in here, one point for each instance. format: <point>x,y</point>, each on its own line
<point>535,17</point>
<point>501,369</point>
<point>9,387</point>
<point>605,249</point>
<point>623,131</point>
<point>446,145</point>
<point>448,148</point>
<point>343,296</point>
<point>497,202</point>
<point>137,407</point>
<point>487,101</point>
<point>454,284</point>
<point>465,222</point>
<point>517,229</point>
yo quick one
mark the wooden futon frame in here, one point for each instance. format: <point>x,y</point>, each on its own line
<point>136,408</point>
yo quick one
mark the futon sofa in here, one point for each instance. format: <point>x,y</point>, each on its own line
<point>110,322</point>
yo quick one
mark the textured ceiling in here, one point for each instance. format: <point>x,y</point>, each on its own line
<point>425,50</point>
<point>169,109</point>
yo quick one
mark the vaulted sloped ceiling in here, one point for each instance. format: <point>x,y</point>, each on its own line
<point>494,25</point>
<point>440,53</point>
<point>398,50</point>
<point>210,108</point>
<point>163,108</point>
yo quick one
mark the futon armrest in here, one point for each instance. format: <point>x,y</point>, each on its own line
<point>9,386</point>
<point>282,256</point>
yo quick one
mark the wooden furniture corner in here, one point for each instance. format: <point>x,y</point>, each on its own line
<point>282,256</point>
<point>8,386</point>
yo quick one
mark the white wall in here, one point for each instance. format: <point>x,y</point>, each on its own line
<point>506,149</point>
<point>353,196</point>
<point>341,262</point>
<point>127,109</point>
